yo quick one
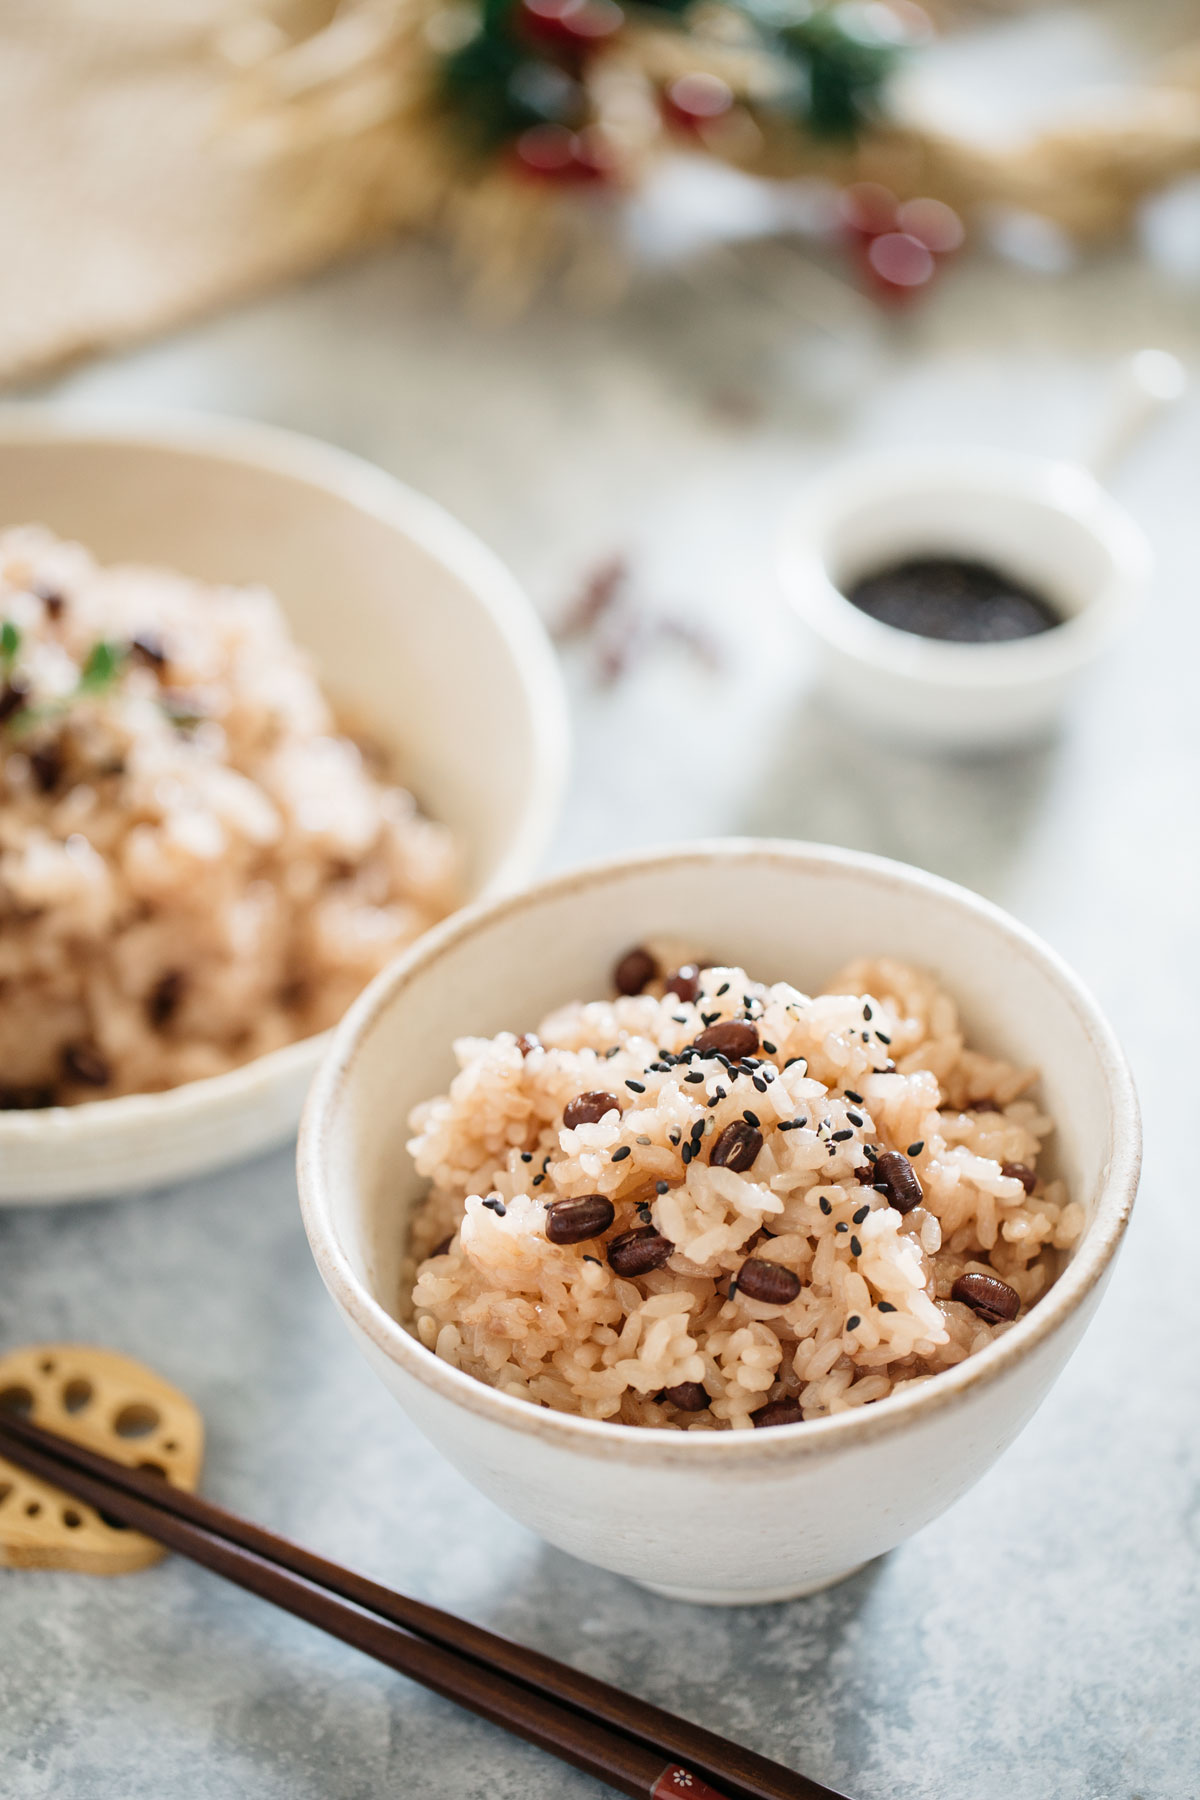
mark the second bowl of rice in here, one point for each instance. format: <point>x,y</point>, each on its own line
<point>722,1212</point>
<point>265,716</point>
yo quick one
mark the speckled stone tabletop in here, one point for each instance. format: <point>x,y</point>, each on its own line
<point>1042,1640</point>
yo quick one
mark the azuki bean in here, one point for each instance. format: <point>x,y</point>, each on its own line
<point>734,1038</point>
<point>769,1282</point>
<point>988,1296</point>
<point>736,1147</point>
<point>571,1221</point>
<point>779,1412</point>
<point>687,1396</point>
<point>636,969</point>
<point>895,1173</point>
<point>587,1109</point>
<point>637,1252</point>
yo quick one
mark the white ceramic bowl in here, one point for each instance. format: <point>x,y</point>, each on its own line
<point>721,1516</point>
<point>412,622</point>
<point>1050,524</point>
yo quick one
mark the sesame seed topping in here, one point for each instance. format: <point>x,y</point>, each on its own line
<point>635,1087</point>
<point>886,1306</point>
<point>751,1118</point>
<point>662,1187</point>
<point>916,1149</point>
<point>867,1014</point>
<point>839,1137</point>
<point>760,1084</point>
<point>527,1156</point>
<point>594,1259</point>
<point>496,1205</point>
<point>723,989</point>
<point>538,1180</point>
<point>841,1226</point>
<point>641,1140</point>
<point>769,1048</point>
<point>694,1075</point>
<point>851,1095</point>
<point>687,1153</point>
<point>826,1205</point>
<point>621,1154</point>
<point>883,1037</point>
<point>861,1214</point>
<point>853,1322</point>
<point>855,1247</point>
<point>855,1118</point>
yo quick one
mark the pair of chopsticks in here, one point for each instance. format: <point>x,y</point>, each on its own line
<point>636,1747</point>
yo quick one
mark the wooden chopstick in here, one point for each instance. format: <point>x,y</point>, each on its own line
<point>548,1702</point>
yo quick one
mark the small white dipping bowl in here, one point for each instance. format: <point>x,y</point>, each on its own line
<point>414,626</point>
<point>1049,524</point>
<point>723,1517</point>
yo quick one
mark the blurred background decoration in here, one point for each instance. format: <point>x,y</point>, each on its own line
<point>164,159</point>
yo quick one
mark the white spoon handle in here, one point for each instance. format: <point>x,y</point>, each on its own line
<point>1144,386</point>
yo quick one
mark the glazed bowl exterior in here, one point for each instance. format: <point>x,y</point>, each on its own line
<point>1049,524</point>
<point>721,1517</point>
<point>414,627</point>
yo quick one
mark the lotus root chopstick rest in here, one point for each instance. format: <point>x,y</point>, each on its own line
<point>111,1404</point>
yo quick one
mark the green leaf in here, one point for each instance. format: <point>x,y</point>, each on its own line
<point>10,640</point>
<point>100,669</point>
<point>842,63</point>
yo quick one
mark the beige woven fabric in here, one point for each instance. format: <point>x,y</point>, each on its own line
<point>124,207</point>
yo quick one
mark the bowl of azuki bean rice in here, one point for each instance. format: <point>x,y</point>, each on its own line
<point>737,1157</point>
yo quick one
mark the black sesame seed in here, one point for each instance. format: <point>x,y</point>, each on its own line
<point>861,1214</point>
<point>855,1247</point>
<point>839,1137</point>
<point>538,1180</point>
<point>867,1013</point>
<point>853,1322</point>
<point>752,1118</point>
<point>883,1037</point>
<point>709,1018</point>
<point>527,1156</point>
<point>769,1048</point>
<point>851,1095</point>
<point>594,1259</point>
<point>673,1137</point>
<point>620,1154</point>
<point>496,1205</point>
<point>886,1306</point>
<point>695,1075</point>
<point>826,1205</point>
<point>635,1087</point>
<point>662,1187</point>
<point>760,1084</point>
<point>870,1152</point>
<point>687,1154</point>
<point>841,1226</point>
<point>916,1149</point>
<point>723,989</point>
<point>679,1018</point>
<point>855,1118</point>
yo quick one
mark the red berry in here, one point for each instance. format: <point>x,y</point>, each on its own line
<point>557,154</point>
<point>867,209</point>
<point>696,100</point>
<point>899,263</point>
<point>578,22</point>
<point>933,224</point>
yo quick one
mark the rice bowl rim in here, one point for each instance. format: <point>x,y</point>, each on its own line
<point>643,1443</point>
<point>371,490</point>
